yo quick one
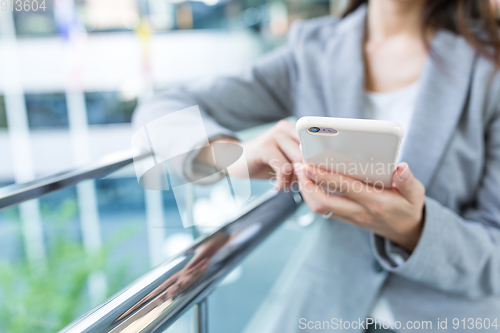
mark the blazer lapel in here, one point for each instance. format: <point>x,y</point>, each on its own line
<point>344,74</point>
<point>444,90</point>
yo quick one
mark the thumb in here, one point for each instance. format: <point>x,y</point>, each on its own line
<point>406,183</point>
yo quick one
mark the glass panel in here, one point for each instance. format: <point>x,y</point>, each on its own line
<point>47,110</point>
<point>182,325</point>
<point>42,295</point>
<point>245,290</point>
<point>10,237</point>
<point>248,290</point>
<point>3,116</point>
<point>109,108</point>
<point>38,296</point>
<point>59,212</point>
<point>122,219</point>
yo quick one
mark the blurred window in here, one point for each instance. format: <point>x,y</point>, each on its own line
<point>59,212</point>
<point>119,195</point>
<point>208,16</point>
<point>3,116</point>
<point>36,23</point>
<point>47,110</point>
<point>108,108</point>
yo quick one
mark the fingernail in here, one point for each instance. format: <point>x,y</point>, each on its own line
<point>405,173</point>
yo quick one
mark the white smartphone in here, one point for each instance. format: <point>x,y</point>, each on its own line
<point>367,150</point>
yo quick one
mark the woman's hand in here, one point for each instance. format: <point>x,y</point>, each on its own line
<point>274,153</point>
<point>270,155</point>
<point>396,213</point>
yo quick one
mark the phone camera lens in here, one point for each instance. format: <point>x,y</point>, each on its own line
<point>314,129</point>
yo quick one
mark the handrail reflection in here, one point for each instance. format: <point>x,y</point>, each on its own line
<point>160,297</point>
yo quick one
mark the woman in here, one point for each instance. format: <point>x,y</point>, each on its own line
<point>427,251</point>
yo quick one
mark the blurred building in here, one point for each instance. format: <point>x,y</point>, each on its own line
<point>115,51</point>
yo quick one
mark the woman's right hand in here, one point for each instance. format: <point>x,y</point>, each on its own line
<point>272,154</point>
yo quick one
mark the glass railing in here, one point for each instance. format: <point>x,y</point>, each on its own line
<point>73,240</point>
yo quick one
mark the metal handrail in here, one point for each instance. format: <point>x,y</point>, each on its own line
<point>17,193</point>
<point>157,299</point>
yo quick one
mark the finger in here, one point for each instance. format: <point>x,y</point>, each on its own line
<point>406,183</point>
<point>288,128</point>
<point>290,148</point>
<point>350,187</point>
<point>321,202</point>
<point>347,219</point>
<point>281,166</point>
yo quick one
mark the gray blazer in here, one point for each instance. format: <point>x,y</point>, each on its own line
<point>453,148</point>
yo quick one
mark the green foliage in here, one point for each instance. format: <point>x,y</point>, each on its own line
<point>45,297</point>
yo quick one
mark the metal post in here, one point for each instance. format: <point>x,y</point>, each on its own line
<point>200,317</point>
<point>199,312</point>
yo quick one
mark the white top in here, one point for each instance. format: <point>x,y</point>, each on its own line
<point>397,106</point>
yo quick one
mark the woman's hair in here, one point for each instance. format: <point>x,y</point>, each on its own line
<point>475,20</point>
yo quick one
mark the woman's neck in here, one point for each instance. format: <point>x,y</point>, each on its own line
<point>388,18</point>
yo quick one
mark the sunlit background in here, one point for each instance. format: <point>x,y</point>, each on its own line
<point>71,75</point>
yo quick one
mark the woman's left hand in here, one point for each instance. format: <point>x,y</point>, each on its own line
<point>396,213</point>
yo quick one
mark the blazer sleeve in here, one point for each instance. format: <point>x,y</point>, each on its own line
<point>456,253</point>
<point>259,94</point>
